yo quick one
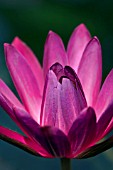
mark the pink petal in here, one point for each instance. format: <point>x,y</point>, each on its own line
<point>96,149</point>
<point>58,70</point>
<point>77,43</point>
<point>8,106</point>
<point>71,104</point>
<point>24,81</point>
<point>70,73</point>
<point>31,59</point>
<point>22,142</point>
<point>105,96</point>
<point>50,138</point>
<point>54,51</point>
<point>104,121</point>
<point>57,141</point>
<point>8,100</point>
<point>5,91</point>
<point>30,127</point>
<point>90,71</point>
<point>58,108</point>
<point>50,101</point>
<point>82,131</point>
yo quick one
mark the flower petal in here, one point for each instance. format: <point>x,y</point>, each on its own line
<point>49,138</point>
<point>103,122</point>
<point>77,43</point>
<point>49,110</point>
<point>9,108</point>
<point>82,131</point>
<point>8,100</point>
<point>20,141</point>
<point>58,70</point>
<point>24,81</point>
<point>30,127</point>
<point>70,73</point>
<point>90,71</point>
<point>57,141</point>
<point>5,91</point>
<point>31,59</point>
<point>58,108</point>
<point>72,99</point>
<point>71,104</point>
<point>54,51</point>
<point>97,149</point>
<point>105,96</point>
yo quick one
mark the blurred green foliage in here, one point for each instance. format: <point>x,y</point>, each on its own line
<point>31,20</point>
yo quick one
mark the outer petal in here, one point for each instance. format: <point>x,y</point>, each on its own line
<point>90,71</point>
<point>52,139</point>
<point>24,81</point>
<point>82,131</point>
<point>77,43</point>
<point>8,100</point>
<point>8,106</point>
<point>105,96</point>
<point>57,141</point>
<point>22,142</point>
<point>5,91</point>
<point>97,149</point>
<point>53,52</point>
<point>104,121</point>
<point>31,59</point>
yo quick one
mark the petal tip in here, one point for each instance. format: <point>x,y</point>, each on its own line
<point>90,109</point>
<point>95,39</point>
<point>6,45</point>
<point>82,25</point>
<point>15,40</point>
<point>50,32</point>
<point>6,48</point>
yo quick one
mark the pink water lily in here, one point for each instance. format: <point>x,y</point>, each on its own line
<point>63,112</point>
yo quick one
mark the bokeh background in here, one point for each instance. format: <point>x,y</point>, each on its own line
<point>31,20</point>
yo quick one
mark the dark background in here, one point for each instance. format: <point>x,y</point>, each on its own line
<point>31,20</point>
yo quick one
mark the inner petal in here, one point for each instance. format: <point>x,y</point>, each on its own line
<point>63,98</point>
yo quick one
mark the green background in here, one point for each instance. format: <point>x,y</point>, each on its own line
<point>31,20</point>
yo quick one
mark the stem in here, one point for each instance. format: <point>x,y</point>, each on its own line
<point>65,164</point>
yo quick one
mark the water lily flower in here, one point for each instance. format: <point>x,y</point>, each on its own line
<point>63,112</point>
